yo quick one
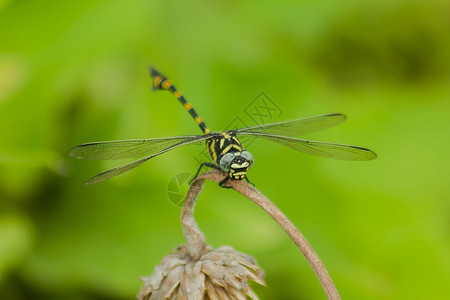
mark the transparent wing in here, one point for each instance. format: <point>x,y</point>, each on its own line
<point>322,149</point>
<point>117,171</point>
<point>131,152</point>
<point>297,127</point>
<point>130,148</point>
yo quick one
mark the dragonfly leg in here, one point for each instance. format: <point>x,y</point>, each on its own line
<point>249,181</point>
<point>221,183</point>
<point>210,165</point>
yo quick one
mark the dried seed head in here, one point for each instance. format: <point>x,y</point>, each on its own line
<point>218,274</point>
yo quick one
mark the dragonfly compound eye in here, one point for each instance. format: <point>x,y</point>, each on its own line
<point>225,161</point>
<point>248,157</point>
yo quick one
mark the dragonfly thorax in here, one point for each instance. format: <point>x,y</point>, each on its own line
<point>236,164</point>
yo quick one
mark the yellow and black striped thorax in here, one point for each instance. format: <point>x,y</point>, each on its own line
<point>162,83</point>
<point>222,143</point>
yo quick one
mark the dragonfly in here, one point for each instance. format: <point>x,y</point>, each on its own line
<point>225,149</point>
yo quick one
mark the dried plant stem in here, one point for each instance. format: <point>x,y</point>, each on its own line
<point>195,271</point>
<point>196,241</point>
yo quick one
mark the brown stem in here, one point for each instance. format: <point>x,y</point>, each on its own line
<point>196,241</point>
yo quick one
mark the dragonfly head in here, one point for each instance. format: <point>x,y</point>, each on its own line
<point>236,164</point>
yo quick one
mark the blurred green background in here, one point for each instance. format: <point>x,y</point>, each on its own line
<point>73,72</point>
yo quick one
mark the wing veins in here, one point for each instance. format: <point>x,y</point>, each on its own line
<point>322,149</point>
<point>297,127</point>
<point>127,148</point>
<point>129,166</point>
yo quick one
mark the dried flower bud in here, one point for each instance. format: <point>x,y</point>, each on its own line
<point>218,274</point>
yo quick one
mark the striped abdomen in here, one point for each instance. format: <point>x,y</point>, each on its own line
<point>162,83</point>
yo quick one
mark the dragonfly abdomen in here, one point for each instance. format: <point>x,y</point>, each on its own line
<point>162,83</point>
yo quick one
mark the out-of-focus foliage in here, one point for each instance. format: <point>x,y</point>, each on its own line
<point>75,71</point>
